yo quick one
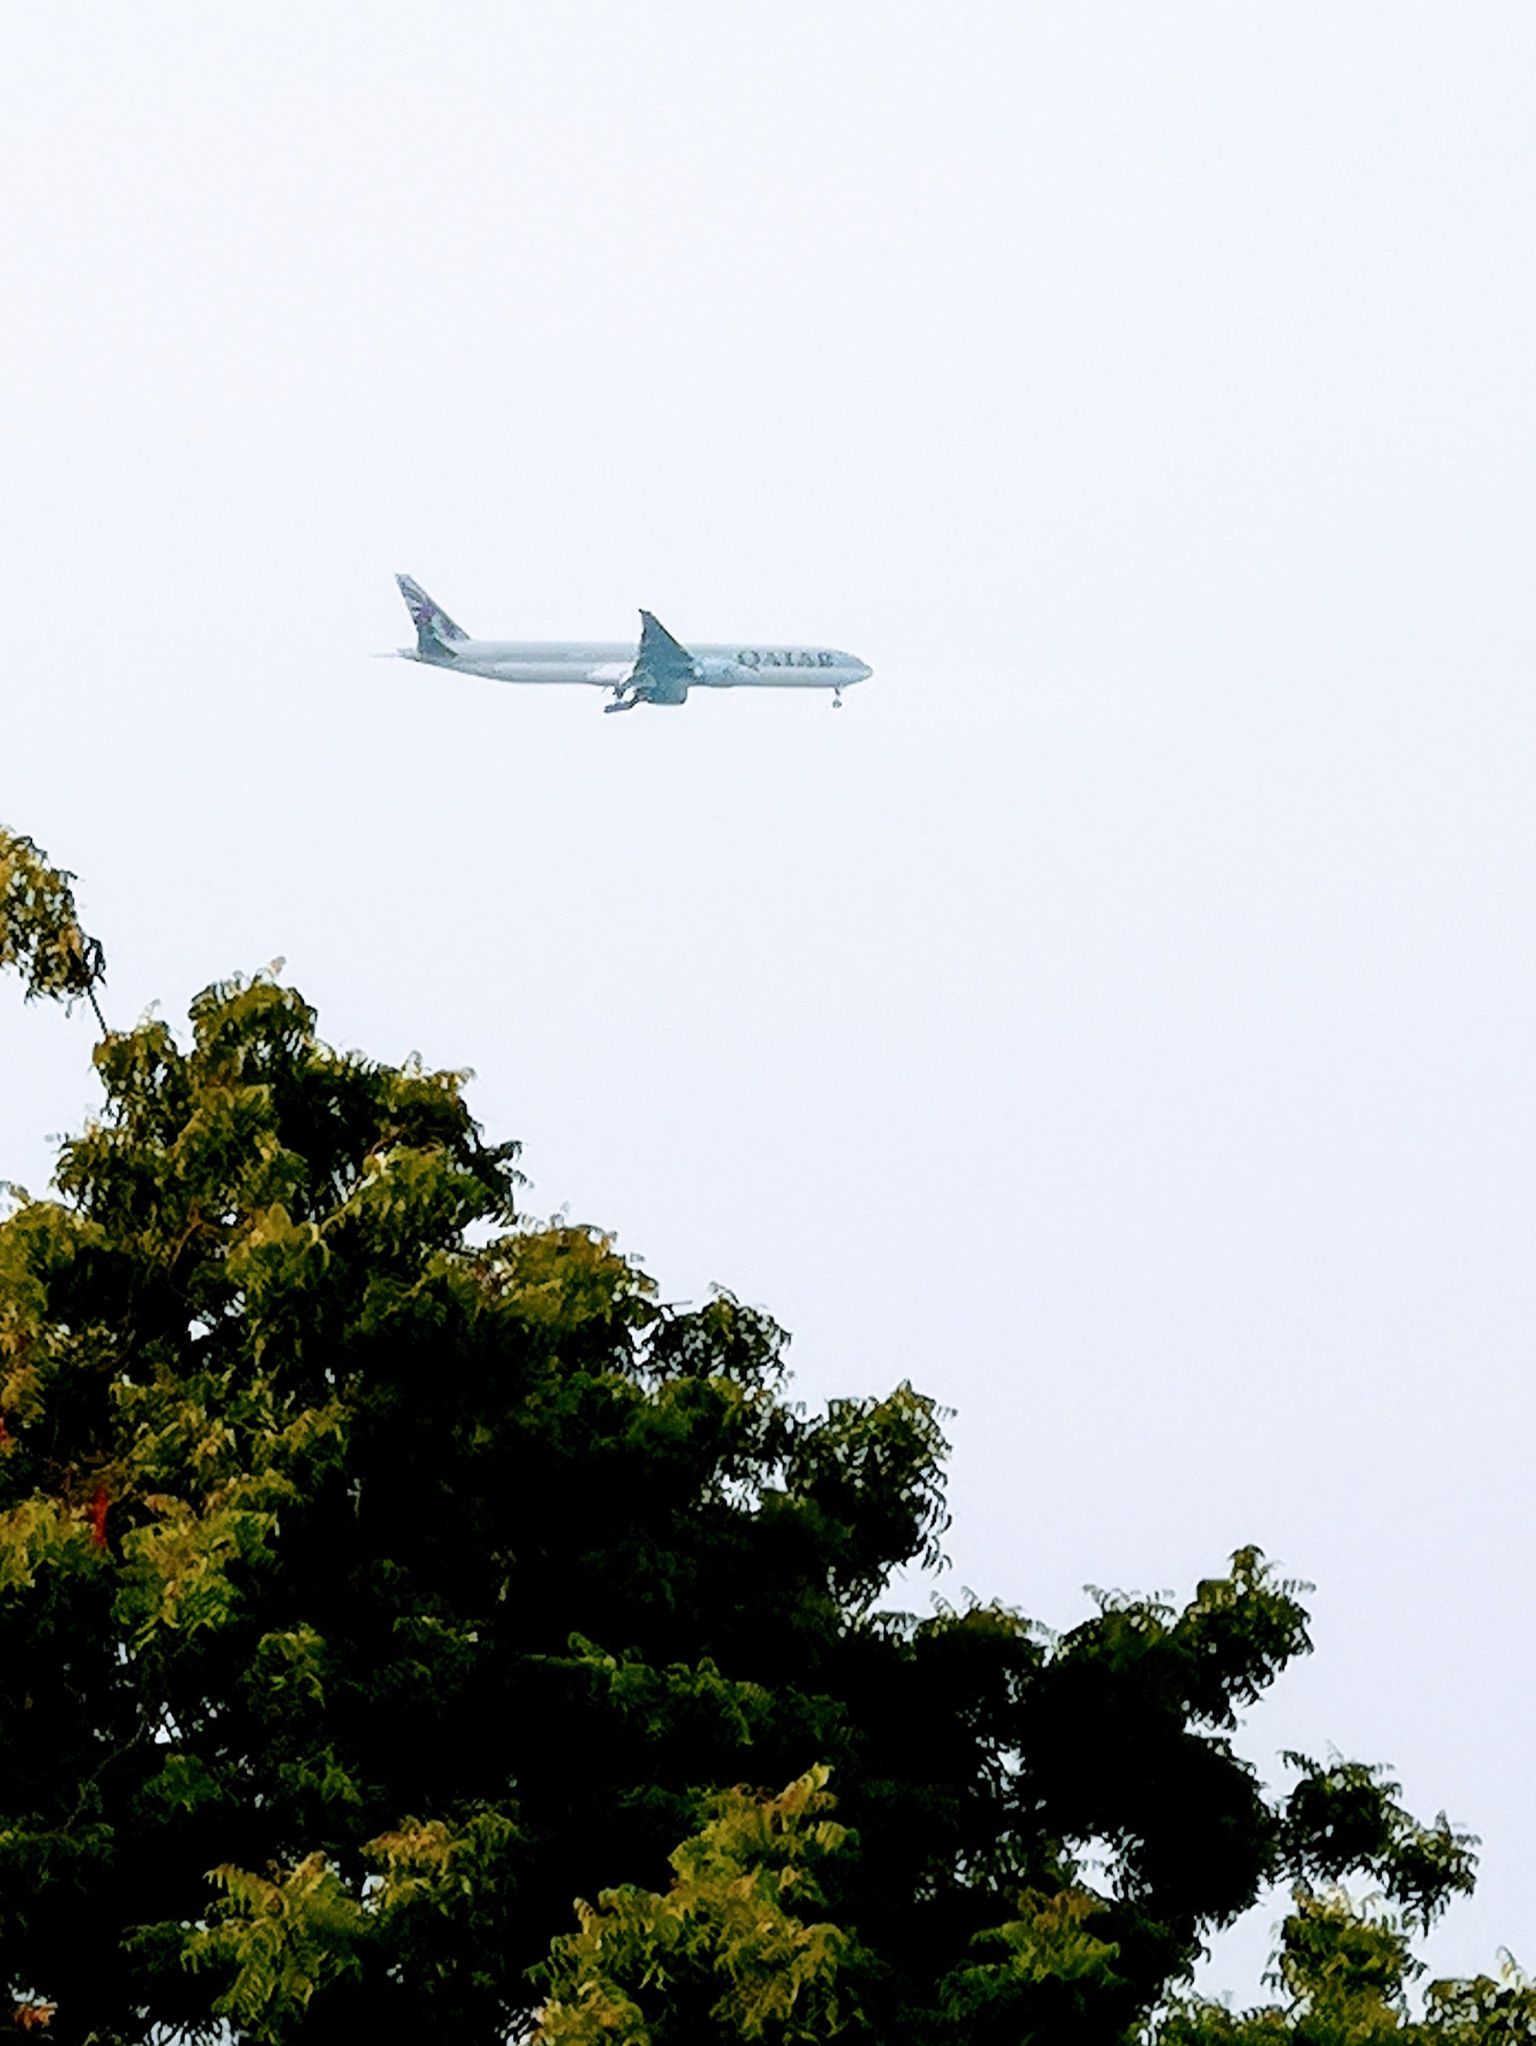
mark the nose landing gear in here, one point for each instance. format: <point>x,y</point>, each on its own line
<point>837,697</point>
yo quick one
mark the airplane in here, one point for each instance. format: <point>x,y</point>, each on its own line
<point>662,671</point>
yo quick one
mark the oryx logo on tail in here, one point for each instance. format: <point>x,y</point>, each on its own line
<point>435,630</point>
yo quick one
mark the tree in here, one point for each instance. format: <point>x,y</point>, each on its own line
<point>40,934</point>
<point>381,1572</point>
<point>1345,1972</point>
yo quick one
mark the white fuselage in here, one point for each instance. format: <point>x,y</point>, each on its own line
<point>608,664</point>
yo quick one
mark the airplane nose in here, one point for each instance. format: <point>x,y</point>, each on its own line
<point>862,671</point>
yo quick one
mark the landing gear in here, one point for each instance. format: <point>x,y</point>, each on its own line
<point>837,699</point>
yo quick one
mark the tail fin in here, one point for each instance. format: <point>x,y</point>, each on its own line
<point>435,630</point>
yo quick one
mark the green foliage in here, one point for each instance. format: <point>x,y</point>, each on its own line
<point>275,1942</point>
<point>728,1952</point>
<point>435,1901</point>
<point>1489,2010</point>
<point>1346,1973</point>
<point>1053,1977</point>
<point>416,1570</point>
<point>40,933</point>
<point>1344,1815</point>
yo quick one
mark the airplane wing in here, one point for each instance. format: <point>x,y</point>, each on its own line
<point>662,672</point>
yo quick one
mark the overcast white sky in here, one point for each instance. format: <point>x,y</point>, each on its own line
<point>1119,1019</point>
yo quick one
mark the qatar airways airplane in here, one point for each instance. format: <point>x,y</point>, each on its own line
<point>660,671</point>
